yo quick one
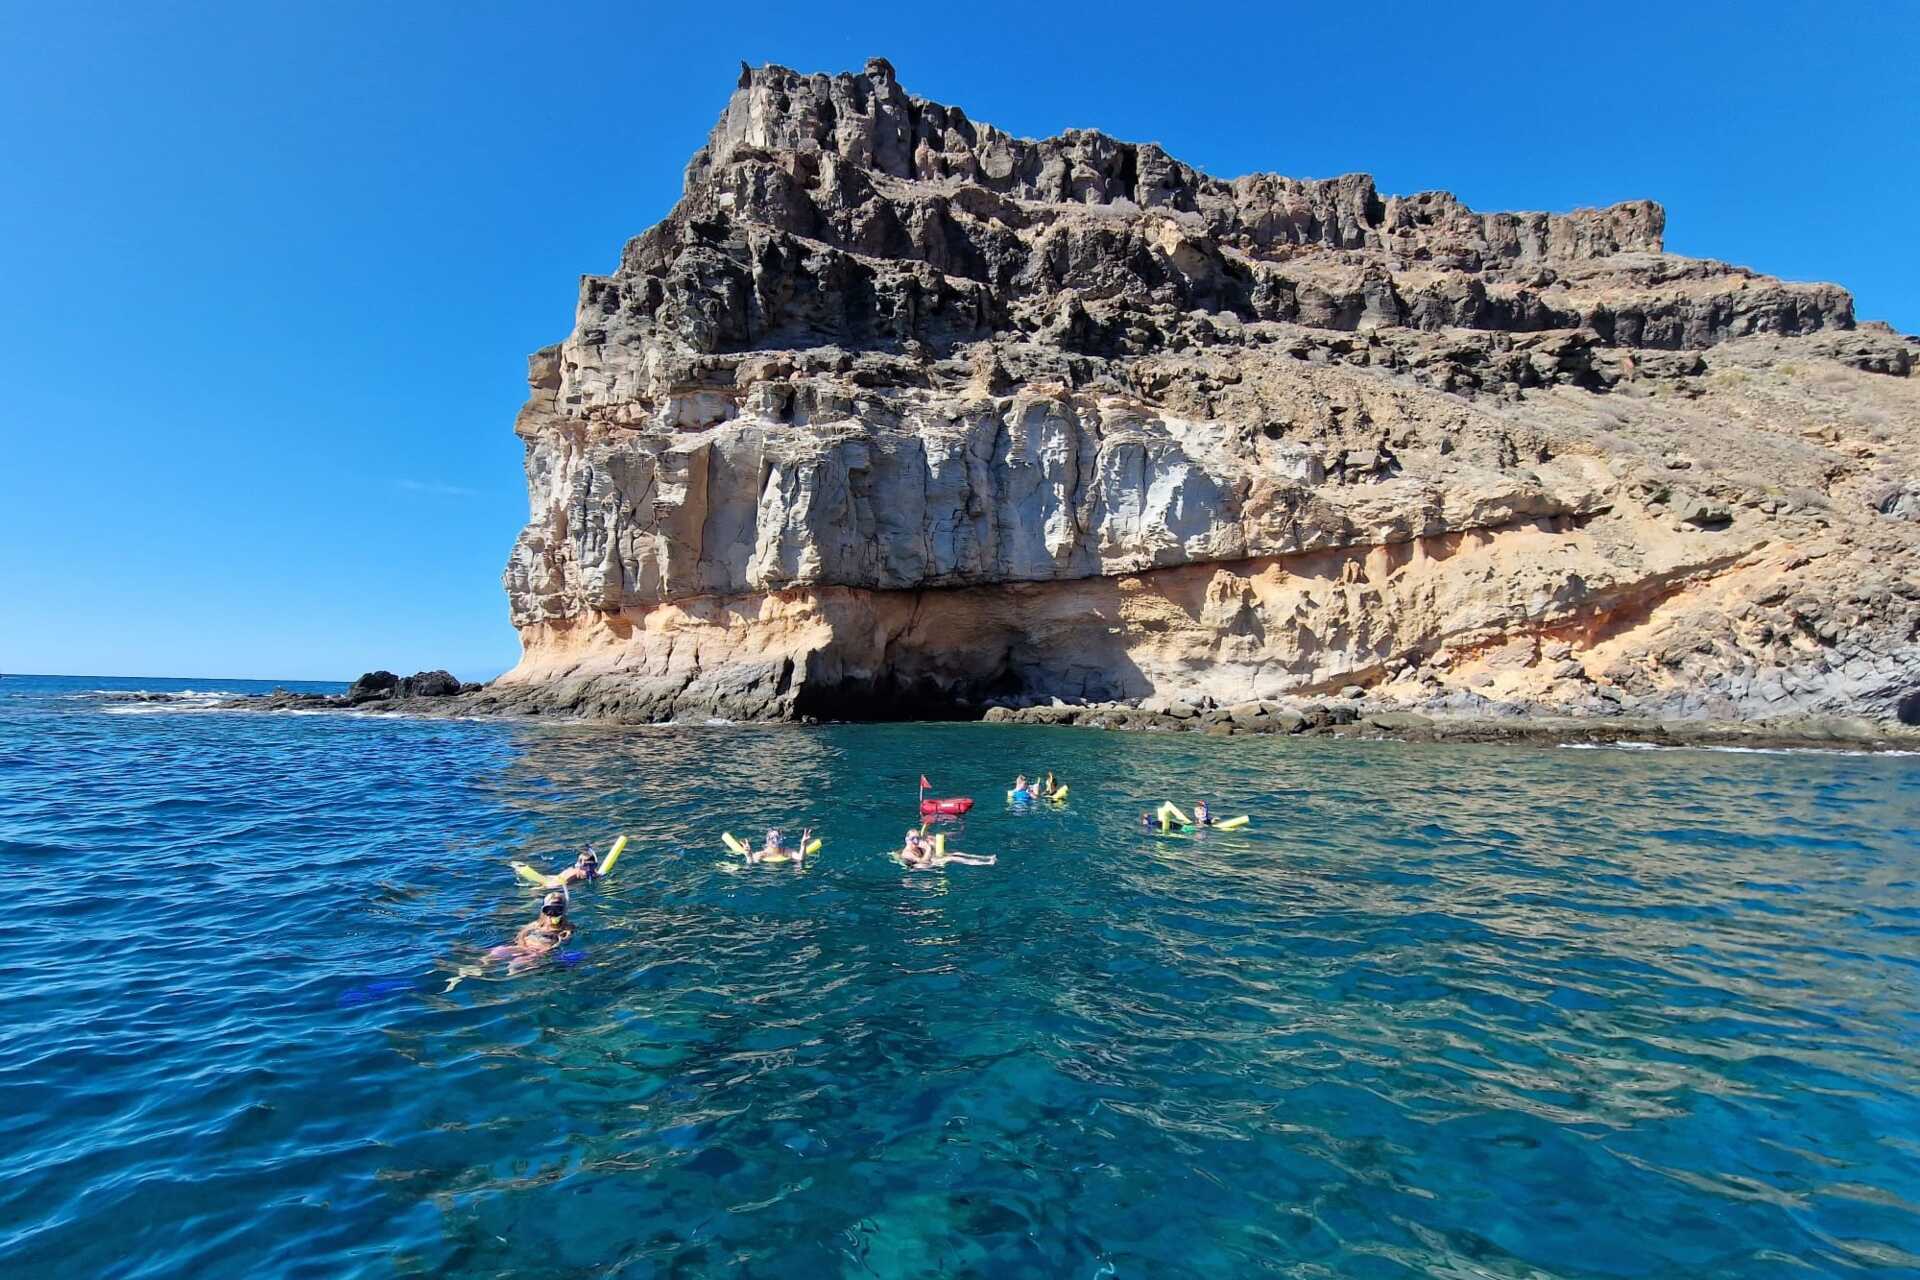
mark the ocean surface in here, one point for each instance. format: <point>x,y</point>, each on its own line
<point>1451,1011</point>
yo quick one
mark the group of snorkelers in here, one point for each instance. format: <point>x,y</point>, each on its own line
<point>919,851</point>
<point>548,931</point>
<point>1045,789</point>
<point>553,926</point>
<point>1201,818</point>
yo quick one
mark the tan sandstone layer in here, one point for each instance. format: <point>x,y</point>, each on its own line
<point>897,415</point>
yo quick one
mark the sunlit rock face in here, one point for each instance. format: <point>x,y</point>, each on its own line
<point>895,414</point>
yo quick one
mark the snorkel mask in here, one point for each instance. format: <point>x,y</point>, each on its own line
<point>554,905</point>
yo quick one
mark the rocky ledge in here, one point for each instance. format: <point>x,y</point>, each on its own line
<point>1364,717</point>
<point>1356,713</point>
<point>423,692</point>
<point>897,415</point>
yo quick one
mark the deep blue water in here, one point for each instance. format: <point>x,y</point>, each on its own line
<point>1460,1011</point>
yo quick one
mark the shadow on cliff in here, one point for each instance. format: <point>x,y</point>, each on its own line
<point>943,654</point>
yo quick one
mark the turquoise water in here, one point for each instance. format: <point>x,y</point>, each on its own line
<point>1460,1011</point>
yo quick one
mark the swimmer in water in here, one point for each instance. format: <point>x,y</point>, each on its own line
<point>531,944</point>
<point>1022,789</point>
<point>919,853</point>
<point>585,868</point>
<point>775,849</point>
<point>1048,787</point>
<point>546,931</point>
<point>1146,821</point>
<point>1201,818</point>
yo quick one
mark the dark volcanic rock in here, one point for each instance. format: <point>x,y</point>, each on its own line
<point>896,414</point>
<point>372,685</point>
<point>427,684</point>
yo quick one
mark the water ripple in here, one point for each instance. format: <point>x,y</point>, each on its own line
<point>1460,1011</point>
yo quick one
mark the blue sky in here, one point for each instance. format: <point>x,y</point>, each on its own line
<point>269,272</point>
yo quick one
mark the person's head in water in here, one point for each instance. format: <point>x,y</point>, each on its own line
<point>774,838</point>
<point>588,863</point>
<point>1200,813</point>
<point>1146,819</point>
<point>1020,783</point>
<point>554,906</point>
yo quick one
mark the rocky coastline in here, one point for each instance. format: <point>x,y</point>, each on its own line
<point>1354,714</point>
<point>895,415</point>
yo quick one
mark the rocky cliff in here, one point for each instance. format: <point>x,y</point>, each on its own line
<point>896,414</point>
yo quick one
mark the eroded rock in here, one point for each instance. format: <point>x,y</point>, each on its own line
<point>898,415</point>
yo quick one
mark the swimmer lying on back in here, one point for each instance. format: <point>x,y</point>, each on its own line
<point>548,930</point>
<point>921,854</point>
<point>531,943</point>
<point>534,940</point>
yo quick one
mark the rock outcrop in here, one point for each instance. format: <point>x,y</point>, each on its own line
<point>422,693</point>
<point>895,414</point>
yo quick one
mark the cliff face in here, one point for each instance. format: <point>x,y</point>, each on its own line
<point>896,414</point>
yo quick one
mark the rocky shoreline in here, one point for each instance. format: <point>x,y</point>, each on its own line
<point>437,694</point>
<point>898,416</point>
<point>1348,720</point>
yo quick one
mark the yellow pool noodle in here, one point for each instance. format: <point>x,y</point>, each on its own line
<point>528,874</point>
<point>732,842</point>
<point>1058,795</point>
<point>813,847</point>
<point>1232,824</point>
<point>613,855</point>
<point>940,845</point>
<point>1170,810</point>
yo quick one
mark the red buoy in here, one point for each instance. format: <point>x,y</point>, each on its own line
<point>952,804</point>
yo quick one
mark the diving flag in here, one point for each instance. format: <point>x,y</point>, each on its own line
<point>924,784</point>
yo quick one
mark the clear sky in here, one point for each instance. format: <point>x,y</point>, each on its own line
<point>269,271</point>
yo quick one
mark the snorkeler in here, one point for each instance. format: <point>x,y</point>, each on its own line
<point>917,851</point>
<point>775,849</point>
<point>1170,818</point>
<point>921,854</point>
<point>531,944</point>
<point>547,930</point>
<point>533,941</point>
<point>585,869</point>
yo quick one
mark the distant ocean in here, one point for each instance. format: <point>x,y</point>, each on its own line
<point>1466,1011</point>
